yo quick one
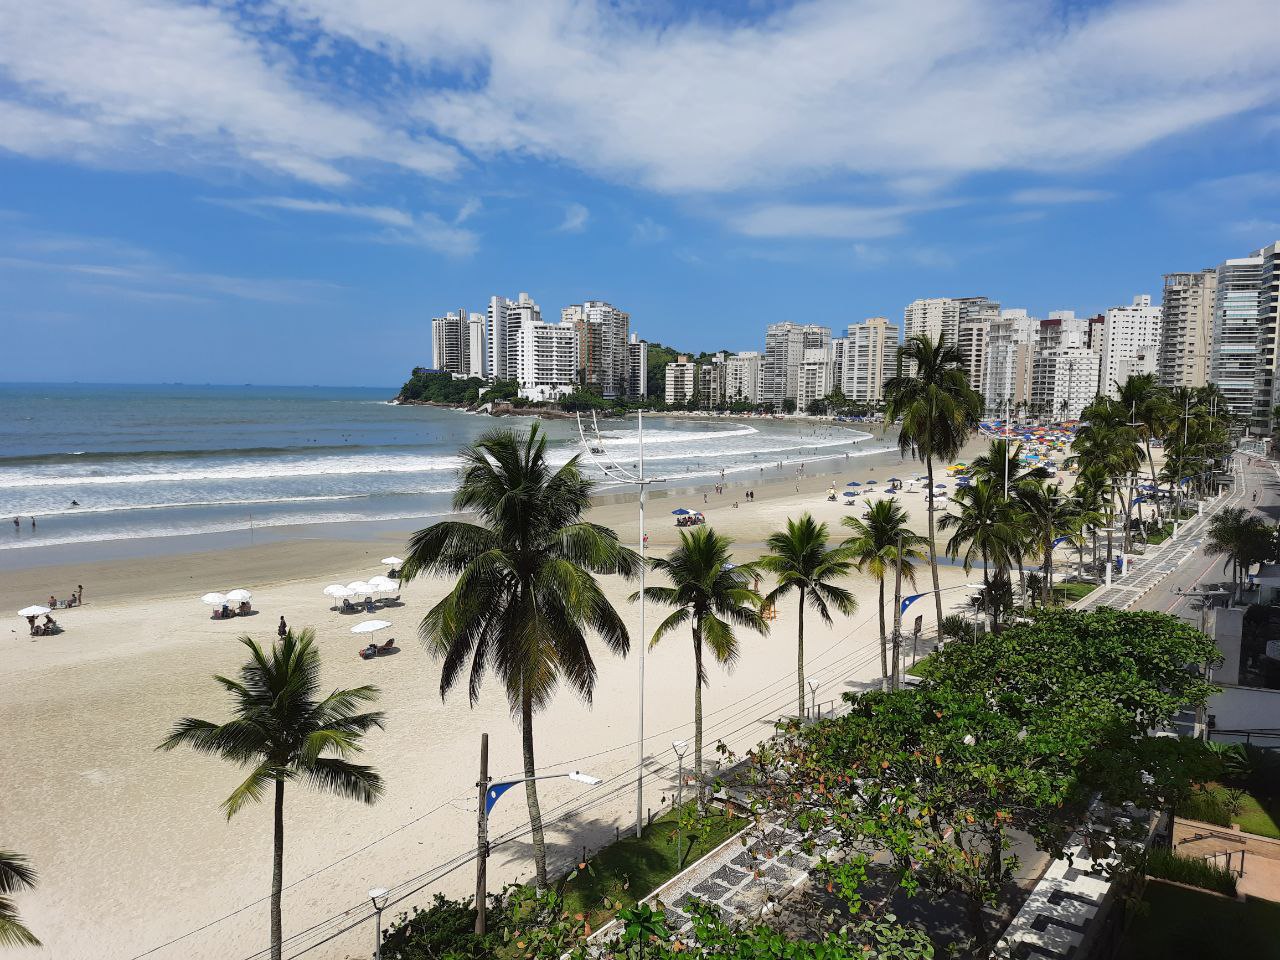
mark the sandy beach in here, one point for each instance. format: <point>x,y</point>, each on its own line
<point>132,851</point>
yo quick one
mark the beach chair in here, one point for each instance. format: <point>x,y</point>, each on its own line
<point>348,606</point>
<point>388,646</point>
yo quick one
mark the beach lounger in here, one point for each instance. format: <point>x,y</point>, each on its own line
<point>348,606</point>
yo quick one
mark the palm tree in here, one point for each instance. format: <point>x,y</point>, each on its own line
<point>1108,442</point>
<point>939,409</point>
<point>1151,412</point>
<point>988,529</point>
<point>15,875</point>
<point>1051,517</point>
<point>283,730</point>
<point>524,594</point>
<point>800,559</point>
<point>874,549</point>
<point>1243,537</point>
<point>1000,461</point>
<point>711,594</point>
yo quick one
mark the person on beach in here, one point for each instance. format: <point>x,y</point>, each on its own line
<point>79,594</point>
<point>17,524</point>
<point>31,622</point>
<point>283,628</point>
<point>53,602</point>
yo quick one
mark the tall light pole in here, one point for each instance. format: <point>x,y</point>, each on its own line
<point>681,747</point>
<point>490,792</point>
<point>615,471</point>
<point>813,698</point>
<point>378,897</point>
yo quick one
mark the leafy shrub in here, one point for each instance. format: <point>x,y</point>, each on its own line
<point>1194,872</point>
<point>1204,805</point>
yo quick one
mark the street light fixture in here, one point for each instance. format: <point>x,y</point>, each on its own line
<point>681,747</point>
<point>378,897</point>
<point>813,697</point>
<point>490,792</point>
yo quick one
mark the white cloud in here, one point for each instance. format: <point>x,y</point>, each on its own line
<point>467,211</point>
<point>387,216</point>
<point>1047,195</point>
<point>161,82</point>
<point>832,221</point>
<point>575,219</point>
<point>648,230</point>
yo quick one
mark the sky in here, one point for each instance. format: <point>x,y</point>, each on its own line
<point>287,191</point>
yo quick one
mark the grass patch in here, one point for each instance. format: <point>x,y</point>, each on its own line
<point>1174,922</point>
<point>917,669</point>
<point>632,868</point>
<point>1192,871</point>
<point>1073,591</point>
<point>1258,814</point>
<point>1161,535</point>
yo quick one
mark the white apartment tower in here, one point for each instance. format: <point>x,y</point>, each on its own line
<point>961,321</point>
<point>711,383</point>
<point>1063,382</point>
<point>682,380</point>
<point>1006,382</point>
<point>479,356</point>
<point>1235,361</point>
<point>814,378</point>
<point>451,343</point>
<point>504,320</point>
<point>637,368</point>
<point>742,378</point>
<point>1267,387</point>
<point>784,351</point>
<point>1186,328</point>
<point>1130,343</point>
<point>863,359</point>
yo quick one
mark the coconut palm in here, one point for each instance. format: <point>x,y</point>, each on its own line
<point>801,560</point>
<point>988,530</point>
<point>1150,411</point>
<point>1051,517</point>
<point>711,595</point>
<point>939,410</point>
<point>16,875</point>
<point>1243,537</point>
<point>880,544</point>
<point>1002,460</point>
<point>524,591</point>
<point>1108,442</point>
<point>285,731</point>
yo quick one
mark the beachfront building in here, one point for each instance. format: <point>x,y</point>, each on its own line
<point>637,368</point>
<point>815,377</point>
<point>863,359</point>
<point>682,381</point>
<point>1186,328</point>
<point>784,349</point>
<point>963,321</point>
<point>541,357</point>
<point>1063,382</point>
<point>1237,318</point>
<point>602,330</point>
<point>503,322</point>
<point>1130,344</point>
<point>476,352</point>
<point>1006,379</point>
<point>742,378</point>
<point>1267,386</point>
<point>711,383</point>
<point>451,343</point>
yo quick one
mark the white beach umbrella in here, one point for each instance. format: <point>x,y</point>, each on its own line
<point>34,611</point>
<point>393,561</point>
<point>360,586</point>
<point>337,591</point>
<point>368,626</point>
<point>214,599</point>
<point>384,584</point>
<point>239,595</point>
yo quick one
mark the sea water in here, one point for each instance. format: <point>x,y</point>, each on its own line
<point>109,462</point>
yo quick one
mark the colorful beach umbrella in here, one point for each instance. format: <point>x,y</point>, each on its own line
<point>682,512</point>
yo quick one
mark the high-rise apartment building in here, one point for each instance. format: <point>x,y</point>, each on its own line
<point>477,353</point>
<point>1130,343</point>
<point>784,347</point>
<point>814,378</point>
<point>1186,328</point>
<point>961,321</point>
<point>863,359</point>
<point>637,368</point>
<point>602,331</point>
<point>1267,386</point>
<point>1063,381</point>
<point>1235,361</point>
<point>1006,383</point>
<point>541,357</point>
<point>451,343</point>
<point>504,320</point>
<point>711,383</point>
<point>742,378</point>
<point>682,381</point>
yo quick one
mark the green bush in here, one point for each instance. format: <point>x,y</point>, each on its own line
<point>1206,806</point>
<point>1194,872</point>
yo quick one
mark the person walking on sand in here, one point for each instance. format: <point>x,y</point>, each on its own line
<point>79,594</point>
<point>283,629</point>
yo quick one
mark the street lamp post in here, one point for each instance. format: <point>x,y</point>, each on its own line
<point>378,897</point>
<point>813,698</point>
<point>1202,719</point>
<point>490,792</point>
<point>681,747</point>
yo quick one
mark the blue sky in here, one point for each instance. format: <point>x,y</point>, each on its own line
<point>287,191</point>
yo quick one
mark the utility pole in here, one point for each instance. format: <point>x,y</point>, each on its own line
<point>897,615</point>
<point>482,837</point>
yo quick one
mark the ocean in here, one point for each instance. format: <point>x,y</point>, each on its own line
<point>93,462</point>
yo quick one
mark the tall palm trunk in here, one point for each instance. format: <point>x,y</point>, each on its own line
<point>277,875</point>
<point>800,659</point>
<point>933,549</point>
<point>697,712</point>
<point>884,643</point>
<point>1046,588</point>
<point>531,791</point>
<point>1155,501</point>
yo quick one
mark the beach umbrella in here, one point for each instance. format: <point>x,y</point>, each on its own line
<point>337,591</point>
<point>853,483</point>
<point>239,595</point>
<point>384,584</point>
<point>894,480</point>
<point>869,482</point>
<point>368,626</point>
<point>939,486</point>
<point>682,512</point>
<point>35,611</point>
<point>360,586</point>
<point>214,599</point>
<point>392,561</point>
<point>851,493</point>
